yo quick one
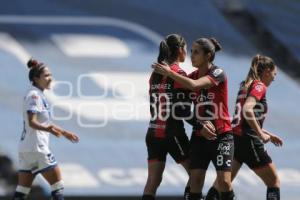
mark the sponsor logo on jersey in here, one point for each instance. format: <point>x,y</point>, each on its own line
<point>259,88</point>
<point>35,97</point>
<point>224,148</point>
<point>217,72</point>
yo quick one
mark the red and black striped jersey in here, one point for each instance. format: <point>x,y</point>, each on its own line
<point>212,104</point>
<point>258,90</point>
<point>169,103</point>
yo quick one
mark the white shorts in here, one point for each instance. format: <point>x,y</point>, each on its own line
<point>36,162</point>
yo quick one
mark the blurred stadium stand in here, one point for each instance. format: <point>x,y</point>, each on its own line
<point>271,26</point>
<point>118,40</point>
<point>281,18</point>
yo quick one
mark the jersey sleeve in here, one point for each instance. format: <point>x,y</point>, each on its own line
<point>181,72</point>
<point>217,76</point>
<point>258,90</point>
<point>33,103</point>
<point>193,75</point>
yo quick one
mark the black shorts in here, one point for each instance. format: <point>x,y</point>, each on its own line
<point>251,150</point>
<point>176,144</point>
<point>219,151</point>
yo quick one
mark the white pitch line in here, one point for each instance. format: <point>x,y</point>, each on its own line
<point>9,44</point>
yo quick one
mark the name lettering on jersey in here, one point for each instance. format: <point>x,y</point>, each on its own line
<point>166,86</point>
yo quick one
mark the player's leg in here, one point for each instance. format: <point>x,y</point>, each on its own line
<point>197,182</point>
<point>25,179</point>
<point>213,192</point>
<point>186,165</point>
<point>261,163</point>
<point>47,166</point>
<point>156,165</point>
<point>25,175</point>
<point>200,159</point>
<point>240,152</point>
<point>178,148</point>
<point>270,177</point>
<point>53,177</point>
<point>155,173</point>
<point>223,162</point>
<point>224,183</point>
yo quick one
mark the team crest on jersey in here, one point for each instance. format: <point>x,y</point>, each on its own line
<point>259,88</point>
<point>217,72</point>
<point>35,97</point>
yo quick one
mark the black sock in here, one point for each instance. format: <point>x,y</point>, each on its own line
<point>212,194</point>
<point>57,195</point>
<point>19,196</point>
<point>196,196</point>
<point>273,193</point>
<point>148,197</point>
<point>187,193</point>
<point>227,195</point>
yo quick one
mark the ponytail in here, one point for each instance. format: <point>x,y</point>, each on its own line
<point>169,47</point>
<point>216,44</point>
<point>36,69</point>
<point>258,65</point>
<point>164,52</point>
<point>209,45</point>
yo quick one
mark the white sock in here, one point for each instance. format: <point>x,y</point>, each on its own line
<point>22,189</point>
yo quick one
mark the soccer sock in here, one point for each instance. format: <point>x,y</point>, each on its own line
<point>148,197</point>
<point>196,196</point>
<point>227,195</point>
<point>273,193</point>
<point>19,196</point>
<point>212,194</point>
<point>187,193</point>
<point>21,193</point>
<point>57,191</point>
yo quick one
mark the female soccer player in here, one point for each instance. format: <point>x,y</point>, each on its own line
<point>169,103</point>
<point>34,153</point>
<point>210,84</point>
<point>249,136</point>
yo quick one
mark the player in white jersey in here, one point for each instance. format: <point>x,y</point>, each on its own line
<point>34,153</point>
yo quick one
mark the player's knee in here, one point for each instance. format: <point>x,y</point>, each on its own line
<point>273,181</point>
<point>224,184</point>
<point>57,190</point>
<point>215,184</point>
<point>155,180</point>
<point>276,181</point>
<point>196,180</point>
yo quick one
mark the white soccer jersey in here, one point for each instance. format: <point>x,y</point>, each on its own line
<point>33,140</point>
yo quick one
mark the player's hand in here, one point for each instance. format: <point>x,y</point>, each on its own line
<point>277,141</point>
<point>264,137</point>
<point>209,125</point>
<point>163,69</point>
<point>208,131</point>
<point>55,130</point>
<point>71,136</point>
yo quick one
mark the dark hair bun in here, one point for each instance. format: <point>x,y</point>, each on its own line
<point>217,45</point>
<point>32,63</point>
